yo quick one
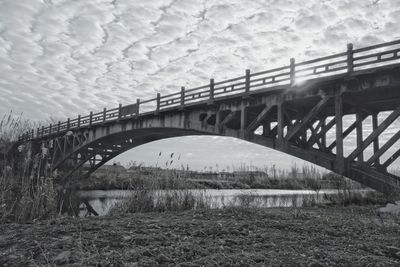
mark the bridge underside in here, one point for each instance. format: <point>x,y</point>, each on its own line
<point>347,124</point>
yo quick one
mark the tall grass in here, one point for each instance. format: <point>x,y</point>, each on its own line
<point>161,192</point>
<point>24,194</point>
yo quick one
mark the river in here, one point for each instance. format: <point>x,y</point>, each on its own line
<point>103,201</point>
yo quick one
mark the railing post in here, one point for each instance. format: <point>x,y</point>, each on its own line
<point>247,82</point>
<point>350,63</point>
<point>50,128</point>
<point>68,120</point>
<point>182,96</point>
<point>212,89</point>
<point>42,131</point>
<point>292,71</point>
<point>79,121</point>
<point>104,115</point>
<point>137,107</point>
<point>158,102</point>
<point>90,118</point>
<point>119,111</point>
<point>37,132</point>
<point>59,126</point>
<point>33,134</point>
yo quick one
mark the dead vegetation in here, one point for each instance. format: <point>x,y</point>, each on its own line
<point>24,195</point>
<point>161,193</point>
<point>333,236</point>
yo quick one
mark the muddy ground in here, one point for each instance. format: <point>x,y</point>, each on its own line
<point>350,236</point>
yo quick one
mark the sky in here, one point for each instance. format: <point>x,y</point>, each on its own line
<point>60,58</point>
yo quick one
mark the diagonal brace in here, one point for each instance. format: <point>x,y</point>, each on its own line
<point>260,117</point>
<point>228,118</point>
<point>349,130</point>
<point>323,131</point>
<point>392,159</point>
<point>391,118</point>
<point>314,111</point>
<point>384,148</point>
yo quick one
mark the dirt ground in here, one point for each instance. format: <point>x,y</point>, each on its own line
<point>349,236</point>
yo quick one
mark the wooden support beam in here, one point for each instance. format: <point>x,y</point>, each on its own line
<point>266,128</point>
<point>354,125</point>
<point>339,133</point>
<point>384,148</point>
<point>376,139</point>
<point>281,122</point>
<point>359,131</point>
<point>260,117</point>
<point>306,120</point>
<point>322,133</point>
<point>228,118</point>
<point>217,121</point>
<point>243,115</point>
<point>386,123</point>
<point>392,159</point>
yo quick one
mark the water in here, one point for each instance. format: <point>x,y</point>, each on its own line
<point>103,201</point>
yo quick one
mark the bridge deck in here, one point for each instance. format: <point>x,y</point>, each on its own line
<point>296,76</point>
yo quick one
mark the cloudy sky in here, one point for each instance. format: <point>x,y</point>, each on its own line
<point>59,58</point>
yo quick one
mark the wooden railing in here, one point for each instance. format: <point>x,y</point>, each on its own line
<point>290,75</point>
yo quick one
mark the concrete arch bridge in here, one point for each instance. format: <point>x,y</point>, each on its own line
<point>297,109</point>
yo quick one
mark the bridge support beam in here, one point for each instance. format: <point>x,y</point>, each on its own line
<point>340,166</point>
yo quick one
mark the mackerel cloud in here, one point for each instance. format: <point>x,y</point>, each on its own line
<point>61,58</point>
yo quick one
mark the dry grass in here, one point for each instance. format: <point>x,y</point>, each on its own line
<point>163,192</point>
<point>24,194</point>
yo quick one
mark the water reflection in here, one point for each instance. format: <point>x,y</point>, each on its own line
<point>103,201</point>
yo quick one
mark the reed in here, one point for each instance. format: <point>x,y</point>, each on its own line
<point>161,192</point>
<point>24,195</point>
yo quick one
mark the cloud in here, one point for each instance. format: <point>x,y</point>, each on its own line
<point>61,58</point>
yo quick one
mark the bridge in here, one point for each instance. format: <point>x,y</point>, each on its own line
<point>297,109</point>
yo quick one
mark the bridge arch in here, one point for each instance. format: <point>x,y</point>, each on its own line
<point>99,150</point>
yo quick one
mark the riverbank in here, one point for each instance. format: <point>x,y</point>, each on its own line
<point>356,236</point>
<point>186,179</point>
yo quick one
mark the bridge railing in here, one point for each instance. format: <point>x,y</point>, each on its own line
<point>291,75</point>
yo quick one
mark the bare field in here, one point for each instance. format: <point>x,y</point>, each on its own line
<point>351,236</point>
